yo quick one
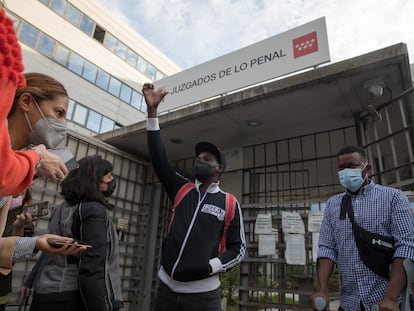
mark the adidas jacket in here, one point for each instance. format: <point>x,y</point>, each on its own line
<point>191,245</point>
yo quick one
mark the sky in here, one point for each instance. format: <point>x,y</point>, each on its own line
<point>191,32</point>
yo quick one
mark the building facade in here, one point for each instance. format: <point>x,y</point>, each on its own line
<point>100,60</point>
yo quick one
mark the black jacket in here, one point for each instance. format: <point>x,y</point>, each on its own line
<point>195,233</point>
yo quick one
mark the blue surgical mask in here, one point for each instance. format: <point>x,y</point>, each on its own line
<point>351,178</point>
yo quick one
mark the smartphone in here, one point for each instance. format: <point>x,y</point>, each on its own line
<point>59,242</point>
<point>37,209</point>
<point>67,157</point>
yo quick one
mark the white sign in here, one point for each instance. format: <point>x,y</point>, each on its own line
<point>295,249</point>
<point>263,224</point>
<point>293,50</point>
<point>315,246</point>
<point>292,223</point>
<point>267,244</point>
<point>315,221</point>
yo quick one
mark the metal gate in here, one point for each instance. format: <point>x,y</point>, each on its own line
<point>299,174</point>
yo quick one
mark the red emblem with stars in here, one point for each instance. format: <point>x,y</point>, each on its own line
<point>305,45</point>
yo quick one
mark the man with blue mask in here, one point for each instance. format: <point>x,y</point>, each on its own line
<point>376,210</point>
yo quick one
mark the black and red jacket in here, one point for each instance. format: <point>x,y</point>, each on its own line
<point>191,246</point>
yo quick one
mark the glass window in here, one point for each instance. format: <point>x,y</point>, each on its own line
<point>143,108</point>
<point>132,58</point>
<point>86,25</point>
<point>106,125</point>
<point>89,71</point>
<point>136,99</point>
<point>46,45</point>
<point>58,6</point>
<point>121,50</point>
<point>159,75</point>
<point>28,35</point>
<point>125,93</point>
<point>114,86</point>
<point>151,71</point>
<point>73,15</point>
<point>71,106</point>
<point>117,126</point>
<point>76,63</point>
<point>142,64</point>
<point>80,114</point>
<point>61,55</point>
<point>45,2</point>
<point>94,121</point>
<point>16,21</point>
<point>102,79</point>
<point>99,33</point>
<point>110,42</point>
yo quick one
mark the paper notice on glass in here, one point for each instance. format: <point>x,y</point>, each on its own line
<point>315,221</point>
<point>267,244</point>
<point>295,249</point>
<point>263,224</point>
<point>292,223</point>
<point>315,247</point>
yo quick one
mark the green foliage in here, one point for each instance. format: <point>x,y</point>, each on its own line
<point>229,285</point>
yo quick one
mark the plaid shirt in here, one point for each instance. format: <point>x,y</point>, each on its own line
<point>378,209</point>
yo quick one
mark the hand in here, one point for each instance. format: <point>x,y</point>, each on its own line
<point>387,304</point>
<point>26,291</point>
<point>152,98</point>
<point>65,250</point>
<point>51,165</point>
<point>21,220</point>
<point>317,296</point>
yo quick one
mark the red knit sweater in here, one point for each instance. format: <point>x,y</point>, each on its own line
<point>16,167</point>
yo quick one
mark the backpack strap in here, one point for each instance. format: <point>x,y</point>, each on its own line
<point>229,215</point>
<point>181,193</point>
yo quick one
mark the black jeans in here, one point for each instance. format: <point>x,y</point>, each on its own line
<point>167,300</point>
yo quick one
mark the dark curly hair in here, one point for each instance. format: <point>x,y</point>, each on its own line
<point>82,184</point>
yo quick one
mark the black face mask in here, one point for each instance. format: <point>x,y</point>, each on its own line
<point>111,188</point>
<point>203,171</point>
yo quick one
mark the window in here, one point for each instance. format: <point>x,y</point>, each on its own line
<point>86,25</point>
<point>94,121</point>
<point>110,42</point>
<point>46,45</point>
<point>80,114</point>
<point>71,106</point>
<point>15,20</point>
<point>132,58</point>
<point>99,33</point>
<point>45,2</point>
<point>89,71</point>
<point>76,63</point>
<point>142,64</point>
<point>61,55</point>
<point>58,6</point>
<point>102,79</point>
<point>73,15</point>
<point>125,93</point>
<point>151,71</point>
<point>121,50</point>
<point>136,99</point>
<point>114,86</point>
<point>106,125</point>
<point>28,35</point>
<point>159,75</point>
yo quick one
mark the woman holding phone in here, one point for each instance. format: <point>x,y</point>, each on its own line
<point>90,281</point>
